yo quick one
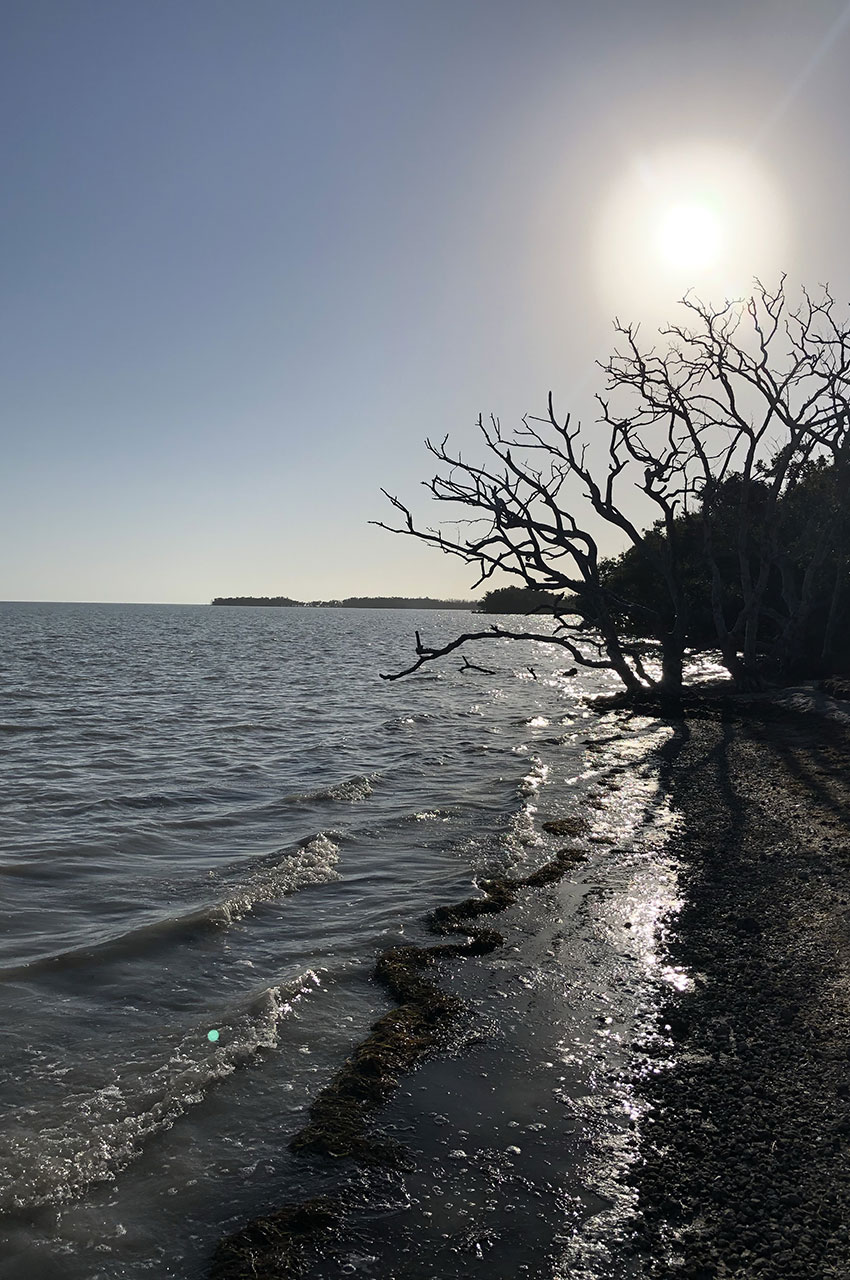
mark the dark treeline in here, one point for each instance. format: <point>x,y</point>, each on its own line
<point>351,602</point>
<point>523,600</point>
<point>798,546</point>
<point>277,602</point>
<point>392,602</point>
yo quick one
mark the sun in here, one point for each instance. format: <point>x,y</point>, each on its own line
<point>689,235</point>
<point>699,215</point>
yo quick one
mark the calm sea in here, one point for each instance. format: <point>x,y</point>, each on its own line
<point>213,820</point>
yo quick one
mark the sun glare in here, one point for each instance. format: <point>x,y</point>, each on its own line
<point>689,235</point>
<point>699,216</point>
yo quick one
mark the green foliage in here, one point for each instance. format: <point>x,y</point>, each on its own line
<point>393,602</point>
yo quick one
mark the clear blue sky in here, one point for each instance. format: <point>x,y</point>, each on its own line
<point>253,253</point>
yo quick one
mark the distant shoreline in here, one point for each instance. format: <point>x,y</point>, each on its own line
<point>351,602</point>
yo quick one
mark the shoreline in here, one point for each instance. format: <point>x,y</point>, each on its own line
<point>511,1045</point>
<point>732,1161</point>
<point>340,1119</point>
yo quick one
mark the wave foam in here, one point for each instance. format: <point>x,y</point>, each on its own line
<point>275,876</point>
<point>535,778</point>
<point>357,788</point>
<point>106,1130</point>
<point>313,863</point>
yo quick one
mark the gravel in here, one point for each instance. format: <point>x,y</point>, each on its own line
<point>744,1166</point>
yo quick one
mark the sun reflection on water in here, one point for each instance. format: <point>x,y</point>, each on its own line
<point>630,913</point>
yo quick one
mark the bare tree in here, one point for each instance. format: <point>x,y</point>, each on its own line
<point>752,393</point>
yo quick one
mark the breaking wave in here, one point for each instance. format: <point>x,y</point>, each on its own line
<point>273,876</point>
<point>106,1130</point>
<point>357,788</point>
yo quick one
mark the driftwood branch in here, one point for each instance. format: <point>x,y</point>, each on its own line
<point>472,666</point>
<point>426,653</point>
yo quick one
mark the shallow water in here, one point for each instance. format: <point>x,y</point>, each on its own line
<point>216,819</point>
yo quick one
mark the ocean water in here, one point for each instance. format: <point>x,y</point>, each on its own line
<point>215,820</point>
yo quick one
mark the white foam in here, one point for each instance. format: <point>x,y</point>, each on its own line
<point>106,1130</point>
<point>358,788</point>
<point>535,778</point>
<point>313,863</point>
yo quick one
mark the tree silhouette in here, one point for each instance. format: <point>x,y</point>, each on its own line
<point>716,429</point>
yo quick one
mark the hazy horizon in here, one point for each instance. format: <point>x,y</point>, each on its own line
<point>255,254</point>
<point>194,604</point>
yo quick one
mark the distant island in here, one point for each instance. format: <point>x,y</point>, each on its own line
<point>500,600</point>
<point>352,602</point>
<point>524,600</point>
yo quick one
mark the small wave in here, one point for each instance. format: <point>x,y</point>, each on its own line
<point>535,778</point>
<point>35,869</point>
<point>314,863</point>
<point>521,832</point>
<point>159,800</point>
<point>276,876</point>
<point>351,789</point>
<point>153,800</point>
<point>399,723</point>
<point>109,1128</point>
<point>357,788</point>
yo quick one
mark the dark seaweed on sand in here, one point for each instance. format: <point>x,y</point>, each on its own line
<point>275,1246</point>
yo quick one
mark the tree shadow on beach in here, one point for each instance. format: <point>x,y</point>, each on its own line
<point>745,1152</point>
<point>814,753</point>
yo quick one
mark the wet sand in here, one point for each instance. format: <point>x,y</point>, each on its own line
<point>743,1166</point>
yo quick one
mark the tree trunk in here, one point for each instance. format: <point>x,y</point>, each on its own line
<point>672,656</point>
<point>831,627</point>
<point>618,660</point>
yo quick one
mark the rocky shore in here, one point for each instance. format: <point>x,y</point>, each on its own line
<point>743,1169</point>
